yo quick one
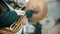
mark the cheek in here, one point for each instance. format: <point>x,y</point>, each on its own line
<point>31,5</point>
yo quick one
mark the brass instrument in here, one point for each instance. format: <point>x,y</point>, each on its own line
<point>15,27</point>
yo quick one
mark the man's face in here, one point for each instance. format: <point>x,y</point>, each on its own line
<point>39,9</point>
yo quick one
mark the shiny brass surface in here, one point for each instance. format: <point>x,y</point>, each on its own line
<point>15,27</point>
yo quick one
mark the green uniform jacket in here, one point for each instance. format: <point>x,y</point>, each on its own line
<point>8,17</point>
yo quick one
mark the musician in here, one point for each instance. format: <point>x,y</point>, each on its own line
<point>39,12</point>
<point>39,8</point>
<point>7,17</point>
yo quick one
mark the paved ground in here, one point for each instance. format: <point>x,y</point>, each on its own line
<point>54,10</point>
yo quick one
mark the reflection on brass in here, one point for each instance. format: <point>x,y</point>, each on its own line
<point>5,32</point>
<point>22,4</point>
<point>15,27</point>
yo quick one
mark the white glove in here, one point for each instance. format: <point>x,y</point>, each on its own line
<point>20,12</point>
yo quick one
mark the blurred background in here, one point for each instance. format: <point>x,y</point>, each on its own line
<point>50,24</point>
<point>53,27</point>
<point>54,11</point>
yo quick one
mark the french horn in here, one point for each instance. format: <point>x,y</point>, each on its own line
<point>16,26</point>
<point>31,4</point>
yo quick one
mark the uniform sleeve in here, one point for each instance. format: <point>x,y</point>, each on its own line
<point>8,18</point>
